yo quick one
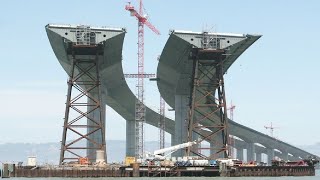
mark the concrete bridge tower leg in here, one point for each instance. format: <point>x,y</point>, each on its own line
<point>181,115</point>
<point>130,138</point>
<point>270,153</point>
<point>173,137</point>
<point>284,156</point>
<point>250,152</point>
<point>91,153</point>
<point>258,157</point>
<point>195,136</point>
<point>240,154</point>
<point>213,150</point>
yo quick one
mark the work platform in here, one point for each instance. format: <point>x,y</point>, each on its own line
<point>155,171</point>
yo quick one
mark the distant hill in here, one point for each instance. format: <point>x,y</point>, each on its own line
<point>314,149</point>
<point>49,152</point>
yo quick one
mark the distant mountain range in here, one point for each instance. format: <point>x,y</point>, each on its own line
<point>49,152</point>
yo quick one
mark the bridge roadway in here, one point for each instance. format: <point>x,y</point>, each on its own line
<point>117,95</point>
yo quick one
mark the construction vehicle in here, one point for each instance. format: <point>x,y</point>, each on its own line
<point>158,155</point>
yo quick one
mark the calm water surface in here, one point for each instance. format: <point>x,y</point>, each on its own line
<point>317,177</point>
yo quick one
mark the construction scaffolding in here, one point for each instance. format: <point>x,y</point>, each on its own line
<point>208,111</point>
<point>162,124</point>
<point>83,115</point>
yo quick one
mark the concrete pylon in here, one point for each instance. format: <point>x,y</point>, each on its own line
<point>270,153</point>
<point>181,115</point>
<point>250,152</point>
<point>258,157</point>
<point>213,148</point>
<point>91,153</point>
<point>240,154</point>
<point>284,156</point>
<point>130,138</point>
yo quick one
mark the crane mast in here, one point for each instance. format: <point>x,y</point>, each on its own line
<point>140,109</point>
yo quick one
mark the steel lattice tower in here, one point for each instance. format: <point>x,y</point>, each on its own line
<point>162,124</point>
<point>208,100</point>
<point>83,114</point>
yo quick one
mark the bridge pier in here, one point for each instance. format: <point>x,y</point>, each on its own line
<point>196,147</point>
<point>181,112</point>
<point>293,158</point>
<point>284,156</point>
<point>130,138</point>
<point>258,157</point>
<point>240,154</point>
<point>250,152</point>
<point>270,154</point>
<point>97,137</point>
<point>213,150</point>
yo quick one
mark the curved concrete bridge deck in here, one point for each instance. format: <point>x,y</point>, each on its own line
<point>117,95</point>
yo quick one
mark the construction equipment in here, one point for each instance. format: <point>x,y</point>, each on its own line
<point>84,161</point>
<point>158,154</point>
<point>140,110</point>
<point>271,127</point>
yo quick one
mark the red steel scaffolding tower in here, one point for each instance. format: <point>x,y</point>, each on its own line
<point>140,109</point>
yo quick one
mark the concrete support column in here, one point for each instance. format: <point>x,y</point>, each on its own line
<point>213,151</point>
<point>130,138</point>
<point>284,156</point>
<point>292,158</point>
<point>91,153</point>
<point>270,153</point>
<point>250,152</point>
<point>258,157</point>
<point>173,137</point>
<point>195,136</point>
<point>181,115</point>
<point>240,154</point>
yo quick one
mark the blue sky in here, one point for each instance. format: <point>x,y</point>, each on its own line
<point>276,80</point>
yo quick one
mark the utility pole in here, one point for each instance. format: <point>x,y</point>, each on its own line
<point>140,110</point>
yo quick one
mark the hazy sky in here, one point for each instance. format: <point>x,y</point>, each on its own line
<point>276,80</point>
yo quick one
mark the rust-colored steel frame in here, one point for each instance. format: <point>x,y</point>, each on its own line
<point>84,78</point>
<point>208,81</point>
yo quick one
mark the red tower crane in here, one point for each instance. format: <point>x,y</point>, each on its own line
<point>232,140</point>
<point>140,107</point>
<point>231,109</point>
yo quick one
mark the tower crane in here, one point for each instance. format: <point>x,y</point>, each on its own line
<point>140,110</point>
<point>232,140</point>
<point>271,127</point>
<point>231,109</point>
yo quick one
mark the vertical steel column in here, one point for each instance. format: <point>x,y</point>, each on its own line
<point>84,78</point>
<point>208,113</point>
